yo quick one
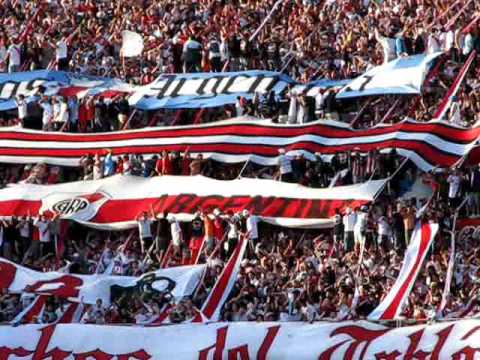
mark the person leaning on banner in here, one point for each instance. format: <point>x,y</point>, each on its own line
<point>192,55</point>
<point>285,166</point>
<point>145,221</point>
<point>349,220</point>
<point>123,110</point>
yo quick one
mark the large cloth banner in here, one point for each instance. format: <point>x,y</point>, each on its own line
<point>323,341</point>
<point>177,282</point>
<point>392,305</point>
<point>203,90</point>
<point>33,84</point>
<point>403,76</point>
<point>117,201</point>
<point>428,145</point>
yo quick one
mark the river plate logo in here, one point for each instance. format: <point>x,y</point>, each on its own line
<point>74,206</point>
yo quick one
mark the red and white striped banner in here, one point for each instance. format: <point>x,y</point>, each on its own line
<point>116,202</point>
<point>392,305</point>
<point>238,140</point>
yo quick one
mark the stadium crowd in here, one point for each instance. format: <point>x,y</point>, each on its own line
<point>287,275</point>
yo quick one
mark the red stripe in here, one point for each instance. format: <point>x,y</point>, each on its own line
<point>330,131</point>
<point>430,153</point>
<point>425,241</point>
<point>128,209</point>
<point>219,289</point>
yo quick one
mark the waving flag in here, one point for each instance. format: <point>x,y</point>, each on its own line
<point>404,75</point>
<point>115,202</point>
<point>238,140</point>
<point>16,279</point>
<point>392,305</point>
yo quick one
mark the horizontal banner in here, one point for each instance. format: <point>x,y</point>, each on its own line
<point>117,201</point>
<point>203,90</point>
<point>176,282</point>
<point>323,341</point>
<point>428,145</point>
<point>35,83</point>
<point>404,75</point>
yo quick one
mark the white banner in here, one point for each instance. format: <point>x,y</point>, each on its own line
<point>404,75</point>
<point>323,341</point>
<point>117,201</point>
<point>177,282</point>
<point>392,305</point>
<point>132,44</point>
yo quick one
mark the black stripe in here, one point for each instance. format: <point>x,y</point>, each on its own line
<point>177,88</point>
<point>163,90</point>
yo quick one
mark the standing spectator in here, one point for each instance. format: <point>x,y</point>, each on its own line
<point>14,52</point>
<point>349,220</point>
<point>22,108</point>
<point>285,166</point>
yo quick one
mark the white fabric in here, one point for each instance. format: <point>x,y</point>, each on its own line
<point>400,76</point>
<point>89,288</point>
<point>260,340</point>
<point>132,44</point>
<point>84,201</point>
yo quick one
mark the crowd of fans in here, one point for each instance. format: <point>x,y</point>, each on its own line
<point>287,274</point>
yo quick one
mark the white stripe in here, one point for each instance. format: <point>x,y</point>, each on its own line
<point>452,148</point>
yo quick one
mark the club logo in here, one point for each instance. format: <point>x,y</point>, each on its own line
<point>73,206</point>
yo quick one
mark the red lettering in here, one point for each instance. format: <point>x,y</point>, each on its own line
<point>140,355</point>
<point>182,202</point>
<point>42,346</point>
<point>267,342</point>
<point>217,347</point>
<point>412,352</point>
<point>17,352</point>
<point>442,339</point>
<point>360,335</point>
<point>467,353</point>
<point>391,356</point>
<point>67,286</point>
<point>240,352</point>
<point>95,354</point>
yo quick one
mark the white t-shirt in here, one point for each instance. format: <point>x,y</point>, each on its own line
<point>47,112</point>
<point>349,221</point>
<point>454,181</point>
<point>22,109</point>
<point>361,223</point>
<point>25,230</point>
<point>14,54</point>
<point>144,228</point>
<point>62,50</point>
<point>285,164</point>
<point>176,233</point>
<point>252,226</point>
<point>43,230</point>
<point>383,227</point>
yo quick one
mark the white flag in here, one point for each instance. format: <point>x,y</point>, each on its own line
<point>132,44</point>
